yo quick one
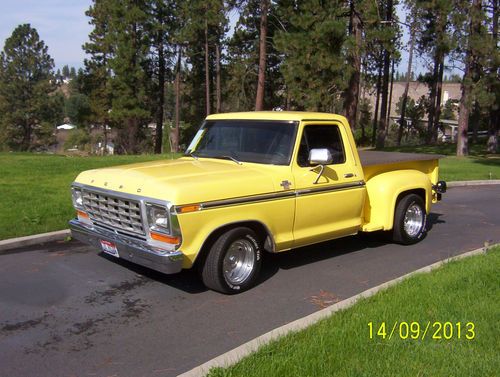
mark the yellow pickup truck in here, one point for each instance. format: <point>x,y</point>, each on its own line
<point>250,183</point>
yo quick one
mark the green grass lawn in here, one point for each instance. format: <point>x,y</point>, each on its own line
<point>35,196</point>
<point>34,189</point>
<point>461,291</point>
<point>477,166</point>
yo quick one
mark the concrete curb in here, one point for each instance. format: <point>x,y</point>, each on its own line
<point>473,183</point>
<point>232,357</point>
<point>13,243</point>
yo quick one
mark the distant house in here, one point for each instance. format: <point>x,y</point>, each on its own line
<point>416,90</point>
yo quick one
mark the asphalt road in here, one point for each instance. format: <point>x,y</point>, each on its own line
<point>66,310</point>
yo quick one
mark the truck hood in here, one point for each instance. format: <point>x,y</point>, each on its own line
<point>183,181</point>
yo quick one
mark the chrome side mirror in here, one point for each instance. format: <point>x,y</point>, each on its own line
<point>320,157</point>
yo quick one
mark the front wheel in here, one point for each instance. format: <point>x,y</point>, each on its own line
<point>233,262</point>
<point>409,220</point>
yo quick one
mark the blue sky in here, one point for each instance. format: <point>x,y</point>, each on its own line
<point>62,24</point>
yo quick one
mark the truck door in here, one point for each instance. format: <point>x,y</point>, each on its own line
<point>332,206</point>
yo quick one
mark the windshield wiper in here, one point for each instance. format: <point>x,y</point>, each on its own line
<point>227,157</point>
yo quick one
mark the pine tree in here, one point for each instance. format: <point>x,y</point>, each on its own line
<point>26,81</point>
<point>162,21</point>
<point>389,36</point>
<point>97,69</point>
<point>129,82</point>
<point>314,66</point>
<point>473,37</point>
<point>354,59</point>
<point>493,79</point>
<point>411,18</point>
<point>261,81</point>
<point>243,60</point>
<point>435,40</point>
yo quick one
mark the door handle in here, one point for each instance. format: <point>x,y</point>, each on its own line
<point>349,175</point>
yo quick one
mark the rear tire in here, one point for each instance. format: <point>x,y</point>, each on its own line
<point>233,262</point>
<point>410,220</point>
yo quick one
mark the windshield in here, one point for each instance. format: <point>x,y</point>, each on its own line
<point>264,142</point>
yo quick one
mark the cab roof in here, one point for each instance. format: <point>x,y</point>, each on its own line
<point>278,115</point>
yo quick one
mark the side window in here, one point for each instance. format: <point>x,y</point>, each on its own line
<point>324,136</point>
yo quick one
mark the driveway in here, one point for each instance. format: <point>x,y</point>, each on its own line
<point>66,310</point>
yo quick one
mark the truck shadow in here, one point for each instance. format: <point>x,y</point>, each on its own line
<point>186,280</point>
<point>331,249</point>
<point>189,281</point>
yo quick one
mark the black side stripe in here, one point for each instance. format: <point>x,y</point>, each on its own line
<point>280,195</point>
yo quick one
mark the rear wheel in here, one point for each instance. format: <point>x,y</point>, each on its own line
<point>233,262</point>
<point>409,220</point>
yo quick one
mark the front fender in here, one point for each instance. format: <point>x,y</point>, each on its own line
<point>383,191</point>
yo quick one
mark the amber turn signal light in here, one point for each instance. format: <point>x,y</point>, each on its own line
<point>165,238</point>
<point>189,208</point>
<point>82,214</point>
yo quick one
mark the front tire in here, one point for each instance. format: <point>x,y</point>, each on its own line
<point>233,262</point>
<point>410,220</point>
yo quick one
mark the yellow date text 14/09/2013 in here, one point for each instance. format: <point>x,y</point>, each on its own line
<point>415,330</point>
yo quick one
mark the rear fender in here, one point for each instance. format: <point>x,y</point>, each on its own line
<point>383,192</point>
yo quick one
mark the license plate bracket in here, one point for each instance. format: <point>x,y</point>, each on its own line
<point>109,248</point>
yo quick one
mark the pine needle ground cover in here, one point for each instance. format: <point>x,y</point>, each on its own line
<point>35,189</point>
<point>464,291</point>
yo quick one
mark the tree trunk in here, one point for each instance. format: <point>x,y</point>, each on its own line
<point>494,125</point>
<point>377,102</point>
<point>218,92</point>
<point>474,121</point>
<point>132,135</point>
<point>382,131</point>
<point>390,95</point>
<point>467,82</point>
<point>259,98</point>
<point>463,117</point>
<point>439,91</point>
<point>26,143</point>
<point>402,119</point>
<point>207,71</point>
<point>432,100</point>
<point>175,134</point>
<point>161,98</point>
<point>352,92</point>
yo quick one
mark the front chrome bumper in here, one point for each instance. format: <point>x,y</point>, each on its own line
<point>131,249</point>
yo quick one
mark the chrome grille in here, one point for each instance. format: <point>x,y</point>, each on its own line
<point>122,214</point>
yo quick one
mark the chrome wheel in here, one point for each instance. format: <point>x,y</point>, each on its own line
<point>413,220</point>
<point>239,261</point>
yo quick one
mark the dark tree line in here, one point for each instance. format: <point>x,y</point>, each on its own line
<point>170,63</point>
